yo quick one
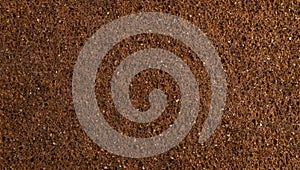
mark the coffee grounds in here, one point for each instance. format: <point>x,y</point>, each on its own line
<point>257,41</point>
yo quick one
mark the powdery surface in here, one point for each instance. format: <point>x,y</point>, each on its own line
<point>258,43</point>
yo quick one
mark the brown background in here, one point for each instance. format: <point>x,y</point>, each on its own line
<point>258,42</point>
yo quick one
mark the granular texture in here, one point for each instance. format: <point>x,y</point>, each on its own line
<point>257,41</point>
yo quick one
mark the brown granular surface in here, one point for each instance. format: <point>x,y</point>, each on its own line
<point>258,42</point>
